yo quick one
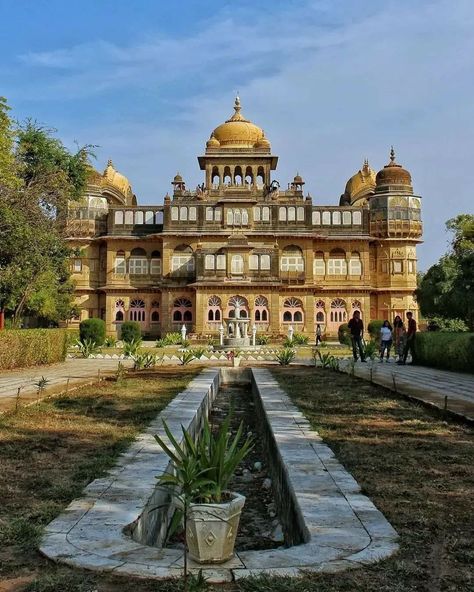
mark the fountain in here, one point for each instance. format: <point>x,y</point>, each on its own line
<point>234,333</point>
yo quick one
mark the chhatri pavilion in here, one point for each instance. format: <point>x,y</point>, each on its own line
<point>240,238</point>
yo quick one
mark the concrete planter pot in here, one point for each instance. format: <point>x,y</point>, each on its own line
<point>211,529</point>
<point>236,361</point>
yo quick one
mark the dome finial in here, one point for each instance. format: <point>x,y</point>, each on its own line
<point>110,163</point>
<point>392,155</point>
<point>237,106</point>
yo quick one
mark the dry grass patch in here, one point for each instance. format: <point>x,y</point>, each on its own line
<point>50,451</point>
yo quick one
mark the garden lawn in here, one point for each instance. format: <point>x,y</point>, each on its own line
<point>50,451</point>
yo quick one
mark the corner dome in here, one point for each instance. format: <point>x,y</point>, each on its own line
<point>116,179</point>
<point>393,175</point>
<point>359,186</point>
<point>237,133</point>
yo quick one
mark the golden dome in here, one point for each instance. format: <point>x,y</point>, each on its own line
<point>238,132</point>
<point>213,142</point>
<point>178,178</point>
<point>119,181</point>
<point>359,185</point>
<point>298,179</point>
<point>393,174</point>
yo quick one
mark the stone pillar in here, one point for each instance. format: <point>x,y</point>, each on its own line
<point>309,314</point>
<point>274,306</point>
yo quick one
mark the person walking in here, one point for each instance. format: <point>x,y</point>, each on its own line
<point>356,328</point>
<point>399,336</point>
<point>318,334</point>
<point>385,340</point>
<point>410,338</point>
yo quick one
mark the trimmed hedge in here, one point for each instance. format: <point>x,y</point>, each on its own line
<point>449,351</point>
<point>374,328</point>
<point>130,331</point>
<point>92,329</point>
<point>32,347</point>
<point>344,335</point>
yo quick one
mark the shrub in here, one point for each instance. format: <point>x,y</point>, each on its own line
<point>110,341</point>
<point>93,330</point>
<point>450,351</point>
<point>130,331</point>
<point>300,339</point>
<point>344,335</point>
<point>262,339</point>
<point>371,349</point>
<point>374,328</point>
<point>285,356</point>
<point>88,348</point>
<point>32,347</point>
<point>186,357</point>
<point>130,348</point>
<point>447,325</point>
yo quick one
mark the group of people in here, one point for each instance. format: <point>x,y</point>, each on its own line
<point>402,337</point>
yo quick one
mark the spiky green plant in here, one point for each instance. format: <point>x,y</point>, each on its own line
<point>130,348</point>
<point>88,348</point>
<point>186,357</point>
<point>285,356</point>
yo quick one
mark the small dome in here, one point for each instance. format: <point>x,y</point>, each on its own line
<point>359,185</point>
<point>112,177</point>
<point>177,178</point>
<point>213,142</point>
<point>298,180</point>
<point>393,174</point>
<point>238,132</point>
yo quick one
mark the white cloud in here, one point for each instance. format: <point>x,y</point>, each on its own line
<point>326,95</point>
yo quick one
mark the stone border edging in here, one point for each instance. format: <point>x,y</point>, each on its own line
<point>343,528</point>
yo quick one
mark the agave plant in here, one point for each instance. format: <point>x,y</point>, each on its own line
<point>199,352</point>
<point>285,356</point>
<point>325,359</point>
<point>371,349</point>
<point>130,348</point>
<point>144,360</point>
<point>110,341</point>
<point>186,357</point>
<point>87,348</point>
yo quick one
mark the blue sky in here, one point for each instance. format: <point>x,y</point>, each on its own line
<point>331,82</point>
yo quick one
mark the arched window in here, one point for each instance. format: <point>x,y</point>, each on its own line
<point>155,263</point>
<point>149,217</point>
<point>265,214</point>
<point>182,261</point>
<point>210,262</point>
<point>357,218</point>
<point>155,313</point>
<point>316,218</point>
<point>300,214</point>
<point>292,310</point>
<point>357,305</point>
<point>256,214</point>
<point>261,309</point>
<point>139,217</point>
<point>174,214</point>
<point>138,262</point>
<point>128,217</point>
<point>282,214</point>
<point>320,312</point>
<point>238,175</point>
<point>183,213</point>
<point>159,217</point>
<point>237,264</point>
<point>118,218</point>
<point>292,259</point>
<point>291,214</point>
<point>119,316</point>
<point>346,218</point>
<point>337,264</point>
<point>355,264</point>
<point>120,266</point>
<point>214,308</point>
<point>182,310</point>
<point>338,312</point>
<point>336,218</point>
<point>137,310</point>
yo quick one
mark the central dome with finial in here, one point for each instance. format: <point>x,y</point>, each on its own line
<point>392,175</point>
<point>238,132</point>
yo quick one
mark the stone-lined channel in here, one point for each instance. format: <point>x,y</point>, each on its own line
<point>329,525</point>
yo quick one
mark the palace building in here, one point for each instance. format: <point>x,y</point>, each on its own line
<point>241,237</point>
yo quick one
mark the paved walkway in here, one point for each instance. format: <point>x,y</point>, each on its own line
<point>76,371</point>
<point>453,391</point>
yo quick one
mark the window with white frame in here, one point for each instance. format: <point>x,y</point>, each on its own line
<point>337,264</point>
<point>129,217</point>
<point>336,218</point>
<point>174,213</point>
<point>253,262</point>
<point>221,262</point>
<point>346,218</point>
<point>120,266</point>
<point>292,259</point>
<point>355,264</point>
<point>256,214</point>
<point>357,218</point>
<point>397,266</point>
<point>138,262</point>
<point>265,214</point>
<point>259,262</point>
<point>291,214</point>
<point>326,218</point>
<point>411,265</point>
<point>210,262</point>
<point>282,214</point>
<point>183,213</point>
<point>139,217</point>
<point>182,260</point>
<point>118,218</point>
<point>237,264</point>
<point>209,214</point>
<point>155,263</point>
<point>192,213</point>
<point>316,218</point>
<point>149,217</point>
<point>300,214</point>
<point>319,265</point>
<point>77,266</point>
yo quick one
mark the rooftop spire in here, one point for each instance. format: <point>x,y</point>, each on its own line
<point>392,155</point>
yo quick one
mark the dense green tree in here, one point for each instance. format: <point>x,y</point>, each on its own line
<point>447,288</point>
<point>38,176</point>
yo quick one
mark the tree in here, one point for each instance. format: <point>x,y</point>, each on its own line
<point>447,288</point>
<point>38,176</point>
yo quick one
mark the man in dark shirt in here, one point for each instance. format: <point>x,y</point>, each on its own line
<point>356,328</point>
<point>410,338</point>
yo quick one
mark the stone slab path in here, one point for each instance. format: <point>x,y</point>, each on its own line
<point>77,371</point>
<point>426,384</point>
